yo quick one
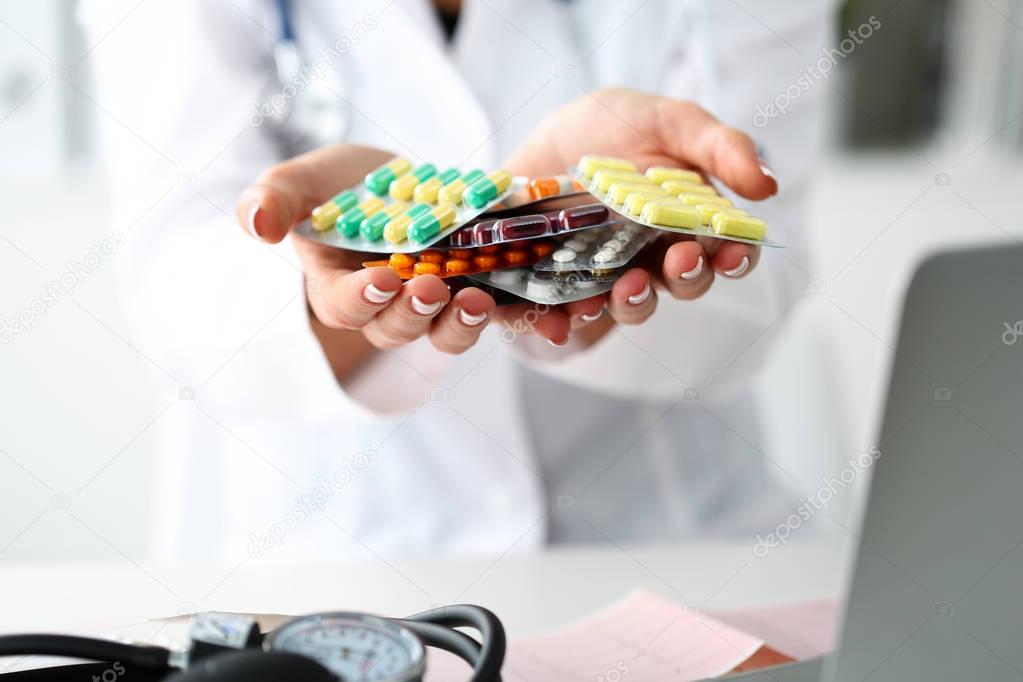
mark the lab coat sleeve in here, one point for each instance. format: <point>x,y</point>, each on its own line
<point>712,348</point>
<point>182,90</point>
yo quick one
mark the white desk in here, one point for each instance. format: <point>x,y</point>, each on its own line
<point>530,594</point>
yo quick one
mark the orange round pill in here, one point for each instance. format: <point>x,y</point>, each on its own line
<point>401,261</point>
<point>515,256</point>
<point>541,249</point>
<point>493,248</point>
<point>486,262</point>
<point>455,266</point>
<point>426,268</point>
<point>431,257</point>
<point>460,253</point>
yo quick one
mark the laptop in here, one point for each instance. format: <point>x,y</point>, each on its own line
<point>937,584</point>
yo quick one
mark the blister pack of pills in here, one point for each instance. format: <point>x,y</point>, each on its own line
<point>547,287</point>
<point>672,199</point>
<point>546,218</point>
<point>402,209</point>
<point>457,262</point>
<point>605,248</point>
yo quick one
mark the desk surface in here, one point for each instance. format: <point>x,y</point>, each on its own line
<point>531,593</point>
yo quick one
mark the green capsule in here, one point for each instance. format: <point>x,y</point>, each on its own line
<point>379,180</point>
<point>429,225</point>
<point>346,200</point>
<point>348,223</point>
<point>485,190</point>
<point>448,176</point>
<point>472,176</point>
<point>372,228</point>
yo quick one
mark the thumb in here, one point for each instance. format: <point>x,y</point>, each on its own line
<point>285,194</point>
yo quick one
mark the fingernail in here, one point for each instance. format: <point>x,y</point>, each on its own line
<point>641,297</point>
<point>558,344</point>
<point>695,272</point>
<point>470,320</point>
<point>255,218</point>
<point>424,308</point>
<point>739,269</point>
<point>590,318</point>
<point>768,173</point>
<point>374,295</point>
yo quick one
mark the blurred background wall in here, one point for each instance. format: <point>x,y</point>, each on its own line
<point>927,152</point>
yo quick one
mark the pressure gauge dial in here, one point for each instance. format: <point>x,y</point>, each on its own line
<point>354,646</point>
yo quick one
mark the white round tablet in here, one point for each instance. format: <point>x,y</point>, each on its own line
<point>576,245</point>
<point>605,256</point>
<point>563,256</point>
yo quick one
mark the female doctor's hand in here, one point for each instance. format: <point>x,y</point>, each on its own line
<point>357,309</point>
<point>655,131</point>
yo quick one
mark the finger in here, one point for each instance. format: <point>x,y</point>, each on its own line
<point>410,314</point>
<point>349,300</point>
<point>633,298</point>
<point>735,260</point>
<point>546,321</point>
<point>690,133</point>
<point>285,194</point>
<point>588,310</point>
<point>458,327</point>
<point>686,270</point>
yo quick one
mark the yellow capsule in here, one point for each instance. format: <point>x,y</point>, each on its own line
<point>660,174</point>
<point>733,225</point>
<point>636,201</point>
<point>603,179</point>
<point>697,199</point>
<point>426,192</point>
<point>502,179</point>
<point>589,165</point>
<point>708,211</point>
<point>451,193</point>
<point>619,191</point>
<point>403,188</point>
<point>671,215</point>
<point>324,216</point>
<point>445,215</point>
<point>677,188</point>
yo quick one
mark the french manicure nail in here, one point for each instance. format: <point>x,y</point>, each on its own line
<point>424,308</point>
<point>590,318</point>
<point>641,297</point>
<point>470,320</point>
<point>558,344</point>
<point>739,269</point>
<point>376,296</point>
<point>695,272</point>
<point>254,215</point>
<point>768,173</point>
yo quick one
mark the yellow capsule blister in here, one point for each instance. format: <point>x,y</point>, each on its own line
<point>620,191</point>
<point>603,179</point>
<point>445,213</point>
<point>732,224</point>
<point>502,179</point>
<point>698,199</point>
<point>677,188</point>
<point>324,216</point>
<point>637,201</point>
<point>660,174</point>
<point>590,164</point>
<point>671,215</point>
<point>708,211</point>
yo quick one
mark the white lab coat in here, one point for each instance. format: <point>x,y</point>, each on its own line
<point>254,423</point>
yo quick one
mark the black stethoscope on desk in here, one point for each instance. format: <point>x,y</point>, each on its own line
<point>325,647</point>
